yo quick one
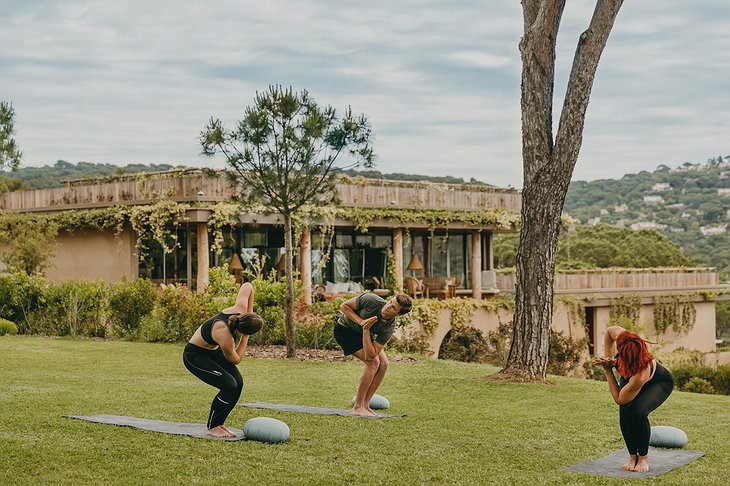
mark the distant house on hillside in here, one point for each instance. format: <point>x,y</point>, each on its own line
<point>642,225</point>
<point>724,191</point>
<point>621,208</point>
<point>661,186</point>
<point>720,229</point>
<point>653,200</point>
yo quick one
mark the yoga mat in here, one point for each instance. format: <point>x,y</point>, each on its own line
<point>660,461</point>
<point>175,428</point>
<point>316,410</point>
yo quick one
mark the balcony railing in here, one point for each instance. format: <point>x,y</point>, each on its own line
<point>199,185</point>
<point>625,279</point>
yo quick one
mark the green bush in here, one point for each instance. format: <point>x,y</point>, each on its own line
<point>565,353</point>
<point>7,327</point>
<point>315,323</point>
<point>21,299</point>
<point>719,378</point>
<point>699,385</point>
<point>467,344</point>
<point>178,314</point>
<point>129,302</point>
<point>681,357</point>
<point>75,308</point>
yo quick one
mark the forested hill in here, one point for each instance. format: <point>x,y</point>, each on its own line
<point>55,175</point>
<point>61,171</point>
<point>690,204</point>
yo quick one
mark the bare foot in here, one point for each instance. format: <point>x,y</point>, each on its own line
<point>642,464</point>
<point>221,432</point>
<point>363,412</point>
<point>631,464</point>
<point>233,434</point>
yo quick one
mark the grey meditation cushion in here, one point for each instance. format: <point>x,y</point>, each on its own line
<point>377,402</point>
<point>266,429</point>
<point>666,436</point>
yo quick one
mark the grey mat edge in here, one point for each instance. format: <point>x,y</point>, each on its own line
<point>118,419</point>
<point>588,466</point>
<point>284,407</point>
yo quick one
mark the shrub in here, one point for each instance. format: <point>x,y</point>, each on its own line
<point>21,299</point>
<point>565,353</point>
<point>129,302</point>
<point>7,327</point>
<point>75,308</point>
<point>221,282</point>
<point>269,303</point>
<point>467,344</point>
<point>681,357</point>
<point>178,314</point>
<point>411,341</point>
<point>699,385</point>
<point>719,378</point>
<point>315,324</point>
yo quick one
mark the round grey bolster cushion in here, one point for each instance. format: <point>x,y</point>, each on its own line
<point>266,429</point>
<point>666,436</point>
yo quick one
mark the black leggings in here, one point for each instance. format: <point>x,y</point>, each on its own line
<point>634,416</point>
<point>214,369</point>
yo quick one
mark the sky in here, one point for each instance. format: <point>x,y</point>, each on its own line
<point>137,81</point>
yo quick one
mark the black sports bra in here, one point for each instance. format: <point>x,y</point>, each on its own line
<point>206,330</point>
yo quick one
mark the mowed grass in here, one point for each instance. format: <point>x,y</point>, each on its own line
<point>460,428</point>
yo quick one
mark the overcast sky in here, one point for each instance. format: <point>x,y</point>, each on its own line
<point>136,81</point>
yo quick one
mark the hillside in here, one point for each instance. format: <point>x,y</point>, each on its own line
<point>689,204</point>
<point>62,171</point>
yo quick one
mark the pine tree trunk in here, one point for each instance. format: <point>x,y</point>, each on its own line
<point>548,167</point>
<point>291,350</point>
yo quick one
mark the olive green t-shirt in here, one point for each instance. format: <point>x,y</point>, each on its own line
<point>368,305</point>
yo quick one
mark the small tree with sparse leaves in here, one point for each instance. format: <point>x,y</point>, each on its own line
<point>283,154</point>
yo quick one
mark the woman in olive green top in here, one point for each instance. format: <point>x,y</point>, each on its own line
<point>366,324</point>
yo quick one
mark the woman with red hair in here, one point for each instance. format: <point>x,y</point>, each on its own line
<point>643,385</point>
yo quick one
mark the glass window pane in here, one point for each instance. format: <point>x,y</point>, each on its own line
<point>341,265</point>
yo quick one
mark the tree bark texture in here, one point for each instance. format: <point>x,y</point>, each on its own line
<point>548,167</point>
<point>291,349</point>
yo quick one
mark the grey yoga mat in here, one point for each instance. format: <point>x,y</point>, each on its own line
<point>316,410</point>
<point>175,428</point>
<point>660,461</point>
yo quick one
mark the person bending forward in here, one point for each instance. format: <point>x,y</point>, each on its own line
<point>366,324</point>
<point>643,385</point>
<point>212,354</point>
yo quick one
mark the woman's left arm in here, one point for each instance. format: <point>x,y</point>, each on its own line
<point>244,299</point>
<point>624,395</point>
<point>242,345</point>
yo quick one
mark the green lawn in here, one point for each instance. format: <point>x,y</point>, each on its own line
<point>460,428</point>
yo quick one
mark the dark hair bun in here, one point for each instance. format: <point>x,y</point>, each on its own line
<point>249,323</point>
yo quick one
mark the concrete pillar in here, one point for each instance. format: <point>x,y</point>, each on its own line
<point>203,256</point>
<point>476,264</point>
<point>305,263</point>
<point>398,255</point>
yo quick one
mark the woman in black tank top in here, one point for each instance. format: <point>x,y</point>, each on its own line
<point>212,355</point>
<point>643,385</point>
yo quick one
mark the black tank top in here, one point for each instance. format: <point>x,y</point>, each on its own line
<point>206,330</point>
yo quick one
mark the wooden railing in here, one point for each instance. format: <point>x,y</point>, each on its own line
<point>194,185</point>
<point>659,278</point>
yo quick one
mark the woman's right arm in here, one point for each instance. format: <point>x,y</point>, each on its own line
<point>610,338</point>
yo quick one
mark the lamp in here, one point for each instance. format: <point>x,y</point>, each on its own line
<point>415,264</point>
<point>235,268</point>
<point>235,264</point>
<point>281,265</point>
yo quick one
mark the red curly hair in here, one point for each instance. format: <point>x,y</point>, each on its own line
<point>633,355</point>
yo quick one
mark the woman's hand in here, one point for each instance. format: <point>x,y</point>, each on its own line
<point>607,363</point>
<point>369,322</point>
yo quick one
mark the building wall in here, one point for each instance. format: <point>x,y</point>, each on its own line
<point>566,320</point>
<point>94,255</point>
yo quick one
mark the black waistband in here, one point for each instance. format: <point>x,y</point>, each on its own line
<point>192,348</point>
